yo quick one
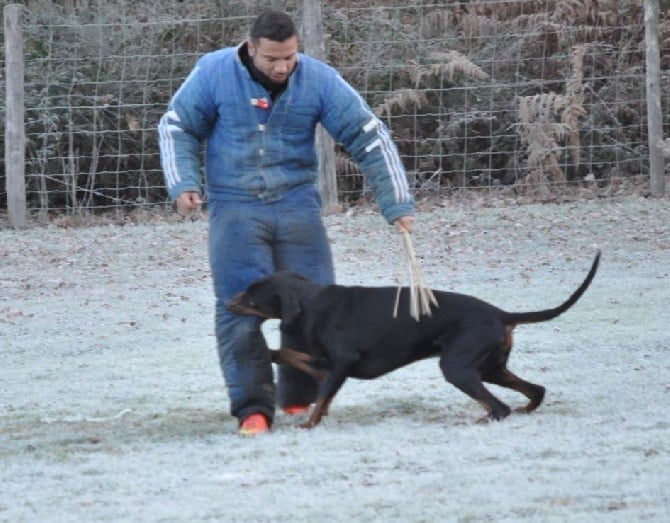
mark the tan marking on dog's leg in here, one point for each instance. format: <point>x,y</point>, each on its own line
<point>297,360</point>
<point>317,413</point>
<point>507,344</point>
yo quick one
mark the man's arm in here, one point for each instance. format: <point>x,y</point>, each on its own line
<point>181,132</point>
<point>349,119</point>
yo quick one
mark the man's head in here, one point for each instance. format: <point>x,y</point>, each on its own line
<point>273,45</point>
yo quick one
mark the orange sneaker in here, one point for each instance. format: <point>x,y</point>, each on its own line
<point>295,410</point>
<point>254,425</point>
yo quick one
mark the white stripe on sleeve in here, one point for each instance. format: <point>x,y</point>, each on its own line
<point>166,142</point>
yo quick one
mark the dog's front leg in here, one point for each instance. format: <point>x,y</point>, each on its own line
<point>327,391</point>
<point>298,360</point>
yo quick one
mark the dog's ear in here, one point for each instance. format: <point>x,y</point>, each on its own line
<point>290,305</point>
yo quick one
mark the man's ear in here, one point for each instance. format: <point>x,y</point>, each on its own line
<point>290,306</point>
<point>251,48</point>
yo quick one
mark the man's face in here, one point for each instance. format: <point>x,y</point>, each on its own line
<point>274,59</point>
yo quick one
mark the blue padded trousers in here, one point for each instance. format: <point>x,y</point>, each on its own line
<point>248,241</point>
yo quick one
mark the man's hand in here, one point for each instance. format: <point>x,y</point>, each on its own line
<point>404,223</point>
<point>188,201</point>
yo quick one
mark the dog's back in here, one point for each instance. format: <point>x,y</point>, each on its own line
<point>358,323</point>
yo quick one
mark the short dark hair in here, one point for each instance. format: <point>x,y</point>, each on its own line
<point>273,25</point>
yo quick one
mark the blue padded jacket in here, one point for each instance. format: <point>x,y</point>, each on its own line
<point>257,148</point>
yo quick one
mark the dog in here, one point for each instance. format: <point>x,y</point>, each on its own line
<point>350,332</point>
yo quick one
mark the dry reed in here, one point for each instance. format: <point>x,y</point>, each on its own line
<point>421,296</point>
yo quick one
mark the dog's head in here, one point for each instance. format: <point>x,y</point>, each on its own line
<point>279,296</point>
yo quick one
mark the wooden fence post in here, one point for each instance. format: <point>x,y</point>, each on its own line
<point>652,15</point>
<point>314,46</point>
<point>15,139</point>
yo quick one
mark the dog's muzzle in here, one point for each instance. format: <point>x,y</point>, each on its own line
<point>234,304</point>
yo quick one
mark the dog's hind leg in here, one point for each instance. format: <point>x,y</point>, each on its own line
<point>467,380</point>
<point>505,378</point>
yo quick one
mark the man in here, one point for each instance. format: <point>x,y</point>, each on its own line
<point>255,107</point>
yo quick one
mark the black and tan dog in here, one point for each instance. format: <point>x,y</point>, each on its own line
<point>350,332</point>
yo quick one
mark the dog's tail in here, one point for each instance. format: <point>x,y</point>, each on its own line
<point>515,318</point>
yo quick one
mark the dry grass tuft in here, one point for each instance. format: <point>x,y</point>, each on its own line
<point>448,63</point>
<point>548,120</point>
<point>403,99</point>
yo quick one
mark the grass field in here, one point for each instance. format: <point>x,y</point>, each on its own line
<point>112,406</point>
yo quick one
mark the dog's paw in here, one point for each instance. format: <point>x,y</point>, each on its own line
<point>495,415</point>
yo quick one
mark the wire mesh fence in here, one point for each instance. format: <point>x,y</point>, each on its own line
<point>534,99</point>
